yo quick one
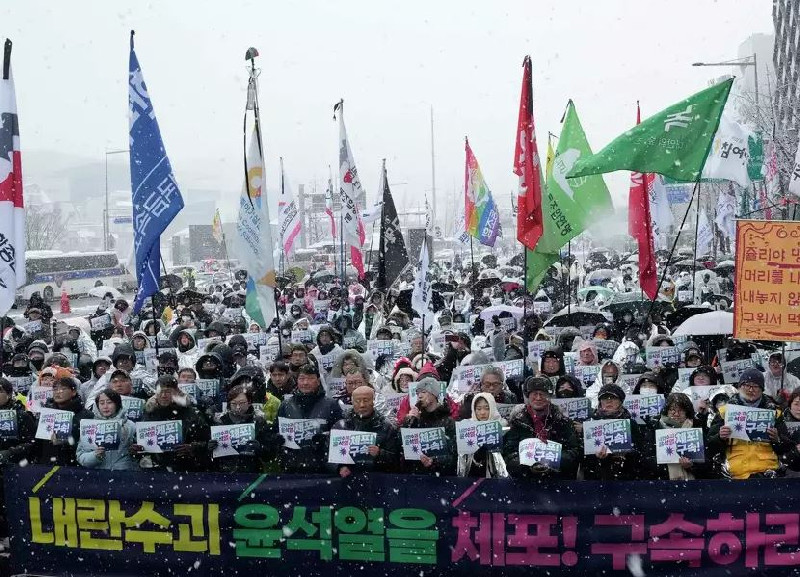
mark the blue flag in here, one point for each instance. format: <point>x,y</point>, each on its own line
<point>156,198</point>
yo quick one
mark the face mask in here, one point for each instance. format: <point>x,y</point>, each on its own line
<point>37,363</point>
<point>608,379</point>
<point>648,390</point>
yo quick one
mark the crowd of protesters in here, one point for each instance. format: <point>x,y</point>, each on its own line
<point>290,374</point>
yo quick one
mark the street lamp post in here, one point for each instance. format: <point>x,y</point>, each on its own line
<point>746,61</point>
<point>106,228</point>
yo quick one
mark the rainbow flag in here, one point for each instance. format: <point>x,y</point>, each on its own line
<point>480,212</point>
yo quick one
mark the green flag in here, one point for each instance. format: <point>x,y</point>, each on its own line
<point>568,207</point>
<point>675,142</point>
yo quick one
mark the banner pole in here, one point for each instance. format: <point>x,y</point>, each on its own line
<point>696,226</point>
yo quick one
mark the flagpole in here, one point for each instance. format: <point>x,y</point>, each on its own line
<point>472,262</point>
<point>251,56</point>
<point>696,226</point>
<point>227,258</point>
<point>569,279</point>
<point>280,224</point>
<point>153,305</point>
<point>674,245</point>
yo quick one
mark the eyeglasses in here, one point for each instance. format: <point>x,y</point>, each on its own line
<point>240,405</point>
<point>749,386</point>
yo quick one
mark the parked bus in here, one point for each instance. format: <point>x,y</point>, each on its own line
<point>48,271</point>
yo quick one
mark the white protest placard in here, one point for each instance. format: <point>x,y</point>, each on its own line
<point>534,451</point>
<point>570,362</point>
<point>8,424</point>
<point>643,407</point>
<point>380,348</point>
<point>159,436</point>
<point>303,336</point>
<point>321,306</point>
<point>536,349</point>
<point>506,409</point>
<point>683,379</point>
<point>684,296</point>
<point>698,394</point>
<point>100,322</point>
<point>628,381</point>
<point>460,327</point>
<point>207,390</point>
<point>53,422</point>
<point>393,401</point>
<point>662,357</point>
<point>296,432</point>
<point>472,435</point>
<point>32,327</point>
<point>133,408</point>
<point>577,409</point>
<point>586,374</point>
<point>101,433</point>
<point>188,389</point>
<point>615,434</point>
<point>38,397</point>
<point>203,343</point>
<point>150,361</point>
<point>336,387</point>
<point>255,340</point>
<point>327,361</point>
<point>672,444</point>
<point>749,423</point>
<point>351,342</point>
<point>350,447</point>
<point>231,438</point>
<point>430,441</point>
<point>232,314</point>
<point>542,307</point>
<point>268,353</point>
<point>21,384</point>
<point>732,370</point>
<point>605,348</point>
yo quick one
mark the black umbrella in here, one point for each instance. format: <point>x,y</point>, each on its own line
<point>443,287</point>
<point>323,276</point>
<point>484,283</point>
<point>517,260</point>
<point>634,302</point>
<point>188,295</point>
<point>576,316</point>
<point>676,318</point>
<point>171,281</point>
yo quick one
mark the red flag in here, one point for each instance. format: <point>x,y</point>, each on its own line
<point>527,166</point>
<point>12,205</point>
<point>640,227</point>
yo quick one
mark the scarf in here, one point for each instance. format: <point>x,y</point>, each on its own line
<point>539,421</point>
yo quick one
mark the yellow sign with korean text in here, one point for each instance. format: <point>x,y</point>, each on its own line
<point>767,296</point>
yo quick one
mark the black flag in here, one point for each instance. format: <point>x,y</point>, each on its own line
<point>393,257</point>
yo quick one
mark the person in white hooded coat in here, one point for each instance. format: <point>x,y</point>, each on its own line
<point>609,374</point>
<point>108,407</point>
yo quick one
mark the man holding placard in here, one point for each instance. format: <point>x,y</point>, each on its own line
<point>383,454</point>
<point>542,420</point>
<point>304,419</point>
<point>55,444</point>
<point>613,445</point>
<point>748,430</point>
<point>432,416</point>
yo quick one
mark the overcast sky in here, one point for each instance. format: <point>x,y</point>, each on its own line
<point>390,61</point>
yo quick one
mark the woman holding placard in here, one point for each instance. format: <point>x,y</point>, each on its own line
<point>92,452</point>
<point>483,463</point>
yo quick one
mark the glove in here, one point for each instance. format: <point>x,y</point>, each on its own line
<point>211,445</point>
<point>249,448</point>
<point>319,442</point>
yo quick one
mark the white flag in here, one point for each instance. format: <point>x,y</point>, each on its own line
<point>459,227</point>
<point>726,214</point>
<point>421,297</point>
<point>660,212</point>
<point>350,190</point>
<point>372,214</point>
<point>254,236</point>
<point>288,215</point>
<point>727,159</point>
<point>12,211</point>
<point>794,180</point>
<point>705,234</point>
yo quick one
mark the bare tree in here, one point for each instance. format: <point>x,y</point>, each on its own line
<point>44,228</point>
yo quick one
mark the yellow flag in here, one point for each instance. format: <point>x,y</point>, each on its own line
<point>548,163</point>
<point>216,227</point>
<point>166,316</point>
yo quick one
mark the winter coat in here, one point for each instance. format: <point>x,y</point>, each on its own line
<point>594,389</point>
<point>558,428</point>
<point>772,384</point>
<point>114,460</point>
<point>187,358</point>
<point>195,433</point>
<point>249,460</point>
<point>14,450</point>
<point>745,458</point>
<point>387,439</point>
<point>62,452</point>
<point>312,456</point>
<point>675,471</point>
<point>619,466</point>
<point>439,417</point>
<point>791,456</point>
